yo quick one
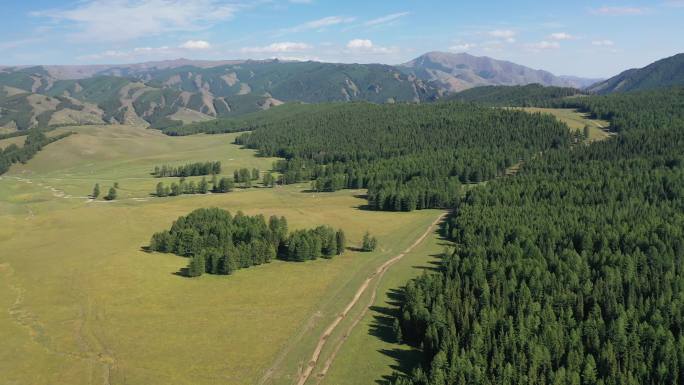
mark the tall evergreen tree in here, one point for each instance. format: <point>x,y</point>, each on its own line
<point>111,195</point>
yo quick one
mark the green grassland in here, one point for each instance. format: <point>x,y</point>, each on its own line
<point>576,121</point>
<point>83,304</point>
<point>126,154</point>
<point>371,353</point>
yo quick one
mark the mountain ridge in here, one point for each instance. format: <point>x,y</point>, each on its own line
<point>460,71</point>
<point>667,72</point>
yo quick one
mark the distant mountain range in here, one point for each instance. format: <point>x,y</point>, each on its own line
<point>458,72</point>
<point>663,73</point>
<point>156,93</point>
<point>165,93</point>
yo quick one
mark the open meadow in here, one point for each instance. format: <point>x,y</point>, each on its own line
<point>85,305</point>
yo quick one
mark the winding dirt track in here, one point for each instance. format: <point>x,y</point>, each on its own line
<point>378,273</point>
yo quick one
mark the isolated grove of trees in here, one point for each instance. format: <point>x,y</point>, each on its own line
<point>407,156</point>
<point>191,169</point>
<point>571,272</point>
<point>245,176</point>
<point>219,243</point>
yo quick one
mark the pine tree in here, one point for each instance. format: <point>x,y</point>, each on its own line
<point>161,192</point>
<point>96,191</point>
<point>203,187</point>
<point>369,243</point>
<point>111,195</point>
<point>196,267</point>
<point>341,241</point>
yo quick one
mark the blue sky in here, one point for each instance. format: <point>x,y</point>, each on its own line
<point>583,38</point>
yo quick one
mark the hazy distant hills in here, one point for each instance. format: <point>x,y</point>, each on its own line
<point>663,73</point>
<point>458,72</point>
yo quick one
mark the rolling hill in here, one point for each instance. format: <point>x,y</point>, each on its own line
<point>664,73</point>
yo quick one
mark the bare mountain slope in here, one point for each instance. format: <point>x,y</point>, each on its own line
<point>458,72</point>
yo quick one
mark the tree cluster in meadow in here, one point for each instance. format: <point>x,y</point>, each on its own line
<point>321,242</point>
<point>217,242</point>
<point>34,142</point>
<point>111,194</point>
<point>407,156</point>
<point>245,177</point>
<point>191,169</point>
<point>570,272</point>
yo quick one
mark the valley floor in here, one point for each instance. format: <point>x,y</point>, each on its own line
<point>85,305</point>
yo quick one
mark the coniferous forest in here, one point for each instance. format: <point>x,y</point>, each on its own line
<point>407,156</point>
<point>217,242</point>
<point>571,272</point>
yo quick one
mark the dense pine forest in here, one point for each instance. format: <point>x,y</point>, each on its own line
<point>407,156</point>
<point>35,141</point>
<point>571,272</point>
<point>217,242</point>
<point>532,95</point>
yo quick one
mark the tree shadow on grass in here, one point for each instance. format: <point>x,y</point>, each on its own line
<point>182,272</point>
<point>433,266</point>
<point>382,327</point>
<point>383,320</point>
<point>406,360</point>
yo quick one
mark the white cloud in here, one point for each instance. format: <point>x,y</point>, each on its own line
<point>386,19</point>
<point>603,43</point>
<point>543,46</point>
<point>195,44</point>
<point>561,36</point>
<point>360,44</point>
<point>120,20</point>
<point>320,23</point>
<point>278,48</point>
<point>505,34</point>
<point>462,47</point>
<point>138,53</point>
<point>367,46</point>
<point>618,11</point>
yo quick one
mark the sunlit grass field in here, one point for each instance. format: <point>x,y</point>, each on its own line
<point>577,121</point>
<point>83,304</point>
